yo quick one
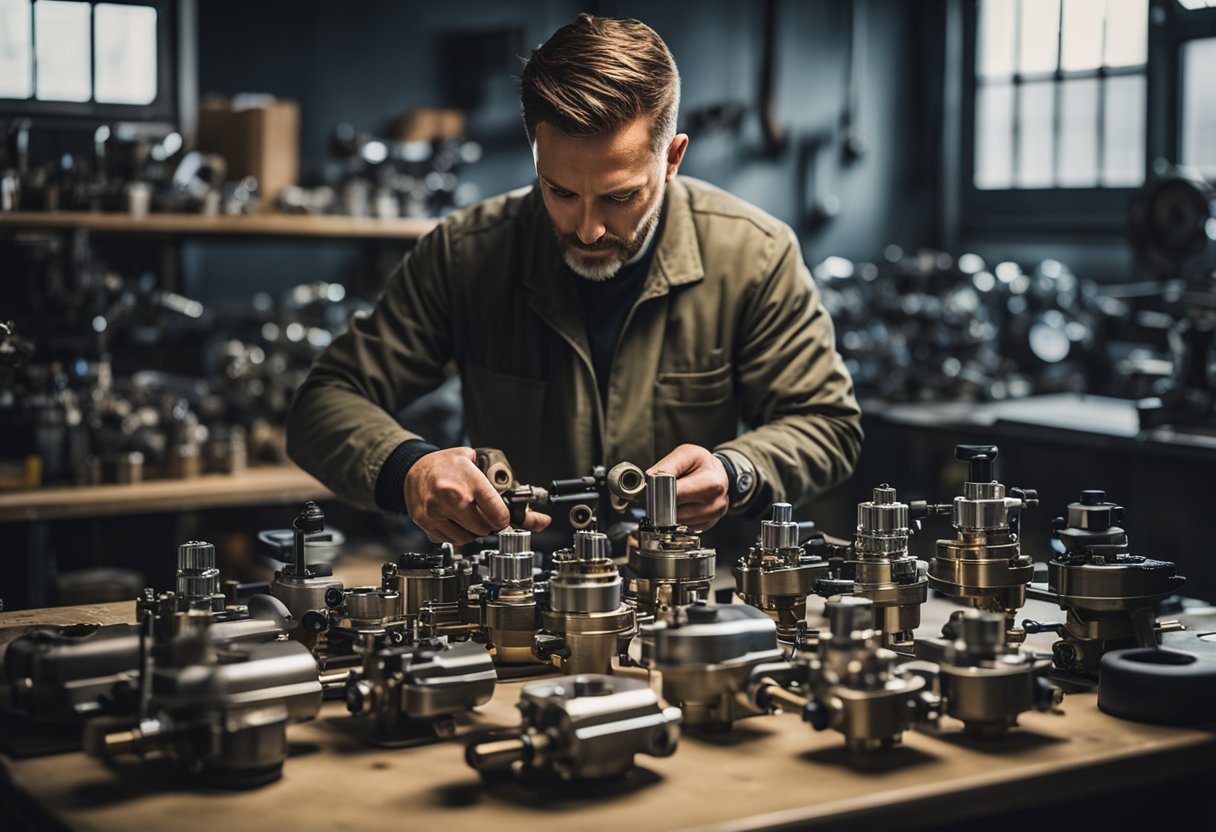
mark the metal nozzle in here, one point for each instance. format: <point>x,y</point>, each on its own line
<point>781,532</point>
<point>626,480</point>
<point>661,500</point>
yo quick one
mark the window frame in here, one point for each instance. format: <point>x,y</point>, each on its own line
<point>1056,209</point>
<point>162,108</point>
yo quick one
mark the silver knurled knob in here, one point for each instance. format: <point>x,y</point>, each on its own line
<point>514,541</point>
<point>589,545</point>
<point>196,555</point>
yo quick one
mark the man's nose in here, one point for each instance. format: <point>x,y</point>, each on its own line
<point>590,229</point>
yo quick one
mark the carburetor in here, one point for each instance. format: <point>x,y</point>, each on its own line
<point>65,673</point>
<point>432,585</point>
<point>584,727</point>
<point>1110,596</point>
<point>221,710</point>
<point>671,569</point>
<point>417,685</point>
<point>509,613</point>
<point>851,684</point>
<point>878,566</point>
<point>986,684</point>
<point>708,657</point>
<point>300,586</point>
<point>585,623</point>
<point>983,564</point>
<point>776,575</point>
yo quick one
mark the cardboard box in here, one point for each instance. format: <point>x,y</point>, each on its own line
<point>258,135</point>
<point>424,124</point>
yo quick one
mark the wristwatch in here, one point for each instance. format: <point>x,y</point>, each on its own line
<point>740,476</point>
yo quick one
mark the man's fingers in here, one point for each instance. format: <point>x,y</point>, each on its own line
<point>534,521</point>
<point>489,503</point>
<point>700,487</point>
<point>680,460</point>
<point>448,531</point>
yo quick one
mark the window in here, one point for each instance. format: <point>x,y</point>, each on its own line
<point>1060,94</point>
<point>80,53</point>
<point>1199,106</point>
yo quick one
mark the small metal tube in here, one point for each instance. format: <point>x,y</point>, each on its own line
<point>661,500</point>
<point>496,754</point>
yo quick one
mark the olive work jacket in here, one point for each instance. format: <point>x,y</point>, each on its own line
<point>728,333</point>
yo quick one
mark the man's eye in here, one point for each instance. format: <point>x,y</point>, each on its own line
<point>560,194</point>
<point>620,199</point>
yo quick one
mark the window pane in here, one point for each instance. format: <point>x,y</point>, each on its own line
<point>1078,165</point>
<point>1199,106</point>
<point>63,50</point>
<point>994,136</point>
<point>1039,35</point>
<point>1126,32</point>
<point>16,68</point>
<point>1036,160</point>
<point>1123,164</point>
<point>996,38</point>
<point>125,64</point>
<point>1082,41</point>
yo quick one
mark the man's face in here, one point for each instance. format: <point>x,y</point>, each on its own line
<point>603,193</point>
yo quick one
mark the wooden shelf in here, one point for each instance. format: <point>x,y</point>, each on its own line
<point>270,225</point>
<point>266,485</point>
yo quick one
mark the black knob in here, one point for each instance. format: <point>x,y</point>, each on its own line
<point>314,621</point>
<point>827,587</point>
<point>980,458</point>
<point>311,518</point>
<point>334,597</point>
<point>702,614</point>
<point>1093,497</point>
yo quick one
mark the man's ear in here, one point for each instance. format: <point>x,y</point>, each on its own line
<point>675,154</point>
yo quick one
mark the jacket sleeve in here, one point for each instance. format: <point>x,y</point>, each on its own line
<point>341,427</point>
<point>797,396</point>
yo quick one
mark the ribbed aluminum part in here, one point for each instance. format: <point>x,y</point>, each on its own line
<point>779,532</point>
<point>589,545</point>
<point>196,555</point>
<point>515,541</point>
<point>983,491</point>
<point>509,567</point>
<point>980,515</point>
<point>661,500</point>
<point>369,603</point>
<point>199,585</point>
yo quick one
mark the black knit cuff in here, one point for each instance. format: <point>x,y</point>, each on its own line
<point>390,482</point>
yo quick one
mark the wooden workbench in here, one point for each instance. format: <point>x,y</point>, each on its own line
<point>769,772</point>
<point>268,484</point>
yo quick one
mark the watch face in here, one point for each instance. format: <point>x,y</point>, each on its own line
<point>744,482</point>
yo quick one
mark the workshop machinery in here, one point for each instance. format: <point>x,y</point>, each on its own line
<point>670,567</point>
<point>983,564</point>
<point>708,656</point>
<point>433,586</point>
<point>586,623</point>
<point>220,710</point>
<point>584,727</point>
<point>777,574</point>
<point>510,617</point>
<point>302,586</point>
<point>1110,595</point>
<point>879,567</point>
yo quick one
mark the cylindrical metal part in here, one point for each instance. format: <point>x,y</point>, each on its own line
<point>496,754</point>
<point>780,532</point>
<point>849,614</point>
<point>590,545</point>
<point>514,541</point>
<point>661,500</point>
<point>982,632</point>
<point>195,555</point>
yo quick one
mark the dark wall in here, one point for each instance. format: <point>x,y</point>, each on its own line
<point>365,62</point>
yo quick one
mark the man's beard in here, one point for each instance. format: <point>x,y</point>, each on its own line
<point>622,250</point>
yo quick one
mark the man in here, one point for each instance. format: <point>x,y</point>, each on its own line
<point>612,312</point>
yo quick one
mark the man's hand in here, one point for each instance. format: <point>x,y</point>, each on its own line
<point>701,485</point>
<point>452,501</point>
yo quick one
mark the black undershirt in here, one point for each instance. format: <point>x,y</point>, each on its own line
<point>606,305</point>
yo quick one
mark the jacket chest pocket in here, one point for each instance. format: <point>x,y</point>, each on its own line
<point>697,408</point>
<point>504,411</point>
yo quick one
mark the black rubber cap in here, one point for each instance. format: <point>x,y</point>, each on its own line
<point>1093,497</point>
<point>1164,687</point>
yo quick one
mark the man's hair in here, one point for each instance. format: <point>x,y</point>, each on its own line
<point>596,75</point>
